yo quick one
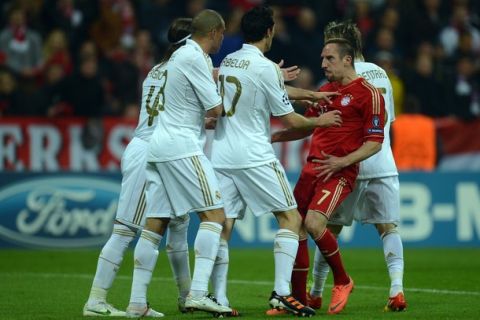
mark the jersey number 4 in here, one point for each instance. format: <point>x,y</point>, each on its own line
<point>159,101</point>
<point>238,91</point>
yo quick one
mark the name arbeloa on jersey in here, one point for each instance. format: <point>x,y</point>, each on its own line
<point>235,63</point>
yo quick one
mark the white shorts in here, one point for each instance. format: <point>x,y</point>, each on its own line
<point>175,188</point>
<point>263,189</point>
<point>372,201</point>
<point>131,203</point>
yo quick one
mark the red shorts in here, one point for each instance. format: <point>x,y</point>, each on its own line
<point>312,193</point>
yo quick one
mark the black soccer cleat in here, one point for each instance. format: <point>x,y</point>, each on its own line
<point>290,304</point>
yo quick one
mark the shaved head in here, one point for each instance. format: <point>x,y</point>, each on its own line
<point>206,21</point>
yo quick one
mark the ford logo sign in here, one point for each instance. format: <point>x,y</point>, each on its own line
<point>58,212</point>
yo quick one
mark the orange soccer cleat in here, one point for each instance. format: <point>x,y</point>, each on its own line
<point>340,294</point>
<point>396,303</point>
<point>314,302</point>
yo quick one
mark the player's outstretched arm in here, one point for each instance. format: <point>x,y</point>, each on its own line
<point>298,126</point>
<point>289,73</point>
<point>294,120</point>
<point>302,94</point>
<point>290,135</point>
<point>331,164</point>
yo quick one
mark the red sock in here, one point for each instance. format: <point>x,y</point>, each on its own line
<point>300,272</point>
<point>328,245</point>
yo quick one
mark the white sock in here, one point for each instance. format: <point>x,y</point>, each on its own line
<point>206,247</point>
<point>320,274</point>
<point>393,251</point>
<point>109,261</point>
<point>219,273</point>
<point>284,251</point>
<point>177,252</point>
<point>145,258</point>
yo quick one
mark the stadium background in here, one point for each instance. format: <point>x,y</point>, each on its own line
<point>70,77</point>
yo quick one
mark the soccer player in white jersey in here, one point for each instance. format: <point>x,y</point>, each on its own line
<point>180,179</point>
<point>249,173</point>
<point>375,199</point>
<point>130,212</point>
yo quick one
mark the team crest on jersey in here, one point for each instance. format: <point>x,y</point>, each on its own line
<point>376,121</point>
<point>346,99</point>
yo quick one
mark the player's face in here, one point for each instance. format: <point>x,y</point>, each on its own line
<point>217,39</point>
<point>332,64</point>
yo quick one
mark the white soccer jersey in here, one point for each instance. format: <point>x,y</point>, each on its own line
<point>252,89</point>
<point>382,163</point>
<point>153,99</point>
<point>189,92</point>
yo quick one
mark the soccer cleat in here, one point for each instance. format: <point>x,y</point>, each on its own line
<point>290,304</point>
<point>206,303</point>
<point>340,295</point>
<point>101,309</point>
<point>276,312</point>
<point>396,303</point>
<point>314,302</point>
<point>139,311</point>
<point>181,305</point>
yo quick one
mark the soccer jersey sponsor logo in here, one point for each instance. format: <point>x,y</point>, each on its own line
<point>58,212</point>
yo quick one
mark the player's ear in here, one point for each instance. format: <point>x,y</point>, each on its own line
<point>211,34</point>
<point>269,33</point>
<point>348,60</point>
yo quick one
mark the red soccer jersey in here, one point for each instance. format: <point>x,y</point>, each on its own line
<point>363,115</point>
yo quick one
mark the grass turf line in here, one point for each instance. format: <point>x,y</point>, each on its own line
<point>443,284</point>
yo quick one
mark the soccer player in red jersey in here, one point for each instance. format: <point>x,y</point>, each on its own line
<point>332,164</point>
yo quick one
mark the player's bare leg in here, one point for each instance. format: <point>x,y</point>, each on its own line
<point>145,259</point>
<point>393,252</point>
<point>316,224</point>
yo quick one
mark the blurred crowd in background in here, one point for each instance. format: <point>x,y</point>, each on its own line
<point>63,58</point>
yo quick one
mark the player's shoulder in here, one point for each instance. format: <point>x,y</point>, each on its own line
<point>370,71</point>
<point>187,54</point>
<point>364,65</point>
<point>328,86</point>
<point>156,74</point>
<point>365,89</point>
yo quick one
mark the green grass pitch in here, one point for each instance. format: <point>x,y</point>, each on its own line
<point>439,284</point>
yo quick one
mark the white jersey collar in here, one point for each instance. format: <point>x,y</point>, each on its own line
<point>252,48</point>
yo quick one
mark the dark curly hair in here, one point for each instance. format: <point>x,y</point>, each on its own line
<point>256,22</point>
